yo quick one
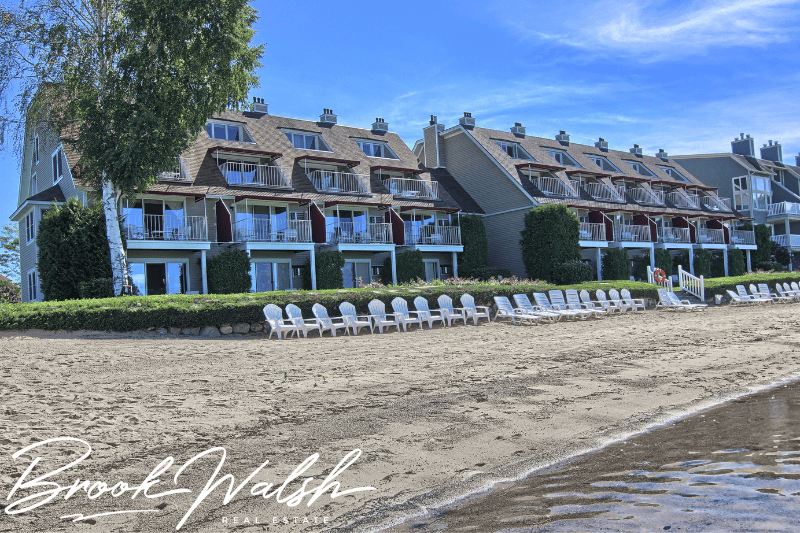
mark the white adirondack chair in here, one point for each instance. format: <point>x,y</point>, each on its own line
<point>429,315</point>
<point>523,302</point>
<point>355,321</point>
<point>381,318</point>
<point>452,313</point>
<point>474,311</point>
<point>400,308</point>
<point>327,323</point>
<point>633,303</point>
<point>506,310</point>
<point>277,324</point>
<point>304,325</point>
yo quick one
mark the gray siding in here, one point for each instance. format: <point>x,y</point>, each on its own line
<point>715,171</point>
<point>503,232</point>
<point>430,147</point>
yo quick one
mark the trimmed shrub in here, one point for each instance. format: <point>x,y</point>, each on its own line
<point>720,285</point>
<point>781,254</point>
<point>763,244</point>
<point>681,259</point>
<point>769,265</point>
<point>329,267</point>
<point>10,293</point>
<point>572,272</point>
<point>640,267</point>
<point>410,267</point>
<point>476,246</point>
<point>616,265</point>
<point>664,261</point>
<point>229,272</point>
<point>717,265</point>
<point>73,247</point>
<point>96,288</point>
<point>702,263</point>
<point>736,263</point>
<point>550,238</point>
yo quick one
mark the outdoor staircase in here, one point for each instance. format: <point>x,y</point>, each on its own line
<point>683,295</point>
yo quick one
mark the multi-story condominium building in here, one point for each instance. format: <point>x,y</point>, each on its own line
<point>763,187</point>
<point>280,189</point>
<point>623,199</point>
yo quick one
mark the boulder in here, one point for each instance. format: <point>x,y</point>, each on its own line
<point>191,331</point>
<point>241,328</point>
<point>256,327</point>
<point>225,330</point>
<point>161,331</point>
<point>209,331</point>
<point>174,331</point>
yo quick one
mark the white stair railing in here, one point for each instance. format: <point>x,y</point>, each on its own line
<point>667,283</point>
<point>692,284</point>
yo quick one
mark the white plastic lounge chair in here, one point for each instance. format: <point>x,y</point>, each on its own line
<point>790,290</point>
<point>558,302</point>
<point>634,303</point>
<point>429,315</point>
<point>574,303</point>
<point>763,290</point>
<point>327,323</point>
<point>524,302</point>
<point>795,287</point>
<point>277,324</point>
<point>406,317</point>
<point>787,291</point>
<point>742,292</point>
<point>355,321</point>
<point>451,313</point>
<point>506,310</point>
<point>613,295</point>
<point>381,318</point>
<point>474,311</point>
<point>304,325</point>
<point>738,300</point>
<point>600,294</point>
<point>686,303</point>
<point>541,300</point>
<point>668,300</point>
<point>586,300</point>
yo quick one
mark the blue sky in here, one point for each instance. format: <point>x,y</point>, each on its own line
<point>684,76</point>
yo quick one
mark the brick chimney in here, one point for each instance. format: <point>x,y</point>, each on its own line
<point>772,152</point>
<point>744,145</point>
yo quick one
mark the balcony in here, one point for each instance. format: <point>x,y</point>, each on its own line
<point>710,236</point>
<point>434,235</point>
<point>339,182</point>
<point>413,189</point>
<point>174,174</point>
<point>744,237</point>
<point>164,228</point>
<point>783,209</point>
<point>716,204</point>
<point>646,197</point>
<point>271,229</point>
<point>557,187</point>
<point>592,232</point>
<point>600,191</point>
<point>788,241</point>
<point>359,233</point>
<point>674,235</point>
<point>631,233</point>
<point>251,174</point>
<point>684,201</point>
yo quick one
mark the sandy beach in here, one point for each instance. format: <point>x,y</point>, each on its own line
<point>437,414</point>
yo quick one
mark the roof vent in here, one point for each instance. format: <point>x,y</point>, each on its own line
<point>259,106</point>
<point>744,145</point>
<point>562,137</point>
<point>467,120</point>
<point>772,152</point>
<point>662,154</point>
<point>327,117</point>
<point>380,125</point>
<point>602,144</point>
<point>518,129</point>
<point>434,122</point>
<point>636,150</point>
<point>797,159</point>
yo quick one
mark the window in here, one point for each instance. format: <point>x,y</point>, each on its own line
<point>603,163</point>
<point>35,149</point>
<point>58,170</point>
<point>741,194</point>
<point>30,226</point>
<point>674,174</point>
<point>563,158</point>
<point>761,192</point>
<point>33,185</point>
<point>641,169</point>
<point>307,141</point>
<point>32,293</point>
<point>227,132</point>
<point>376,149</point>
<point>514,150</point>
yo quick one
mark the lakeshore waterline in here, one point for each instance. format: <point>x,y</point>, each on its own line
<point>734,467</point>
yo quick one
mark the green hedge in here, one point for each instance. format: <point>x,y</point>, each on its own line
<point>476,246</point>
<point>664,261</point>
<point>410,267</point>
<point>720,285</point>
<point>229,272</point>
<point>550,238</point>
<point>737,265</point>
<point>616,264</point>
<point>130,313</point>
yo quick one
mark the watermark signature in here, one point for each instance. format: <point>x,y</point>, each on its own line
<point>44,490</point>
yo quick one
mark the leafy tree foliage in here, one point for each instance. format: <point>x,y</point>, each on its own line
<point>410,267</point>
<point>329,271</point>
<point>549,239</point>
<point>9,252</point>
<point>616,264</point>
<point>229,273</point>
<point>736,263</point>
<point>475,256</point>
<point>702,263</point>
<point>572,272</point>
<point>763,244</point>
<point>664,261</point>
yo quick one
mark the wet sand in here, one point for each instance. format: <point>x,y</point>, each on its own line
<point>438,414</point>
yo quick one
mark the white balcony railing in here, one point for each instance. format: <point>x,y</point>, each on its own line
<point>674,235</point>
<point>746,237</point>
<point>359,233</point>
<point>789,241</point>
<point>436,235</point>
<point>682,200</point>
<point>178,173</point>
<point>271,229</point>
<point>339,182</point>
<point>646,197</point>
<point>411,188</point>
<point>164,228</point>
<point>592,232</point>
<point>631,233</point>
<point>716,204</point>
<point>600,191</point>
<point>556,187</point>
<point>238,173</point>
<point>621,192</point>
<point>783,209</point>
<point>710,236</point>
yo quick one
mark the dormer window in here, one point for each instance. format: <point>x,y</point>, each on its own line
<point>58,169</point>
<point>674,174</point>
<point>603,163</point>
<point>227,132</point>
<point>641,169</point>
<point>563,158</point>
<point>305,140</point>
<point>514,150</point>
<point>376,149</point>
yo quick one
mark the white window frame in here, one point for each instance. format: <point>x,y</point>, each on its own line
<point>33,186</point>
<point>635,164</point>
<point>384,144</point>
<point>360,260</point>
<point>36,292</point>
<point>605,160</point>
<point>552,152</point>
<point>244,135</point>
<point>165,260</point>
<point>436,269</point>
<point>274,262</point>
<point>30,227</point>
<point>320,140</point>
<point>674,174</point>
<point>58,164</point>
<point>518,150</point>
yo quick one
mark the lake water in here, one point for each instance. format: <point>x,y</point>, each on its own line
<point>732,468</point>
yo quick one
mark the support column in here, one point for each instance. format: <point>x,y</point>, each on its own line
<point>455,264</point>
<point>725,260</point>
<point>599,264</point>
<point>691,261</point>
<point>313,263</point>
<point>653,257</point>
<point>203,271</point>
<point>749,266</point>
<point>394,268</point>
